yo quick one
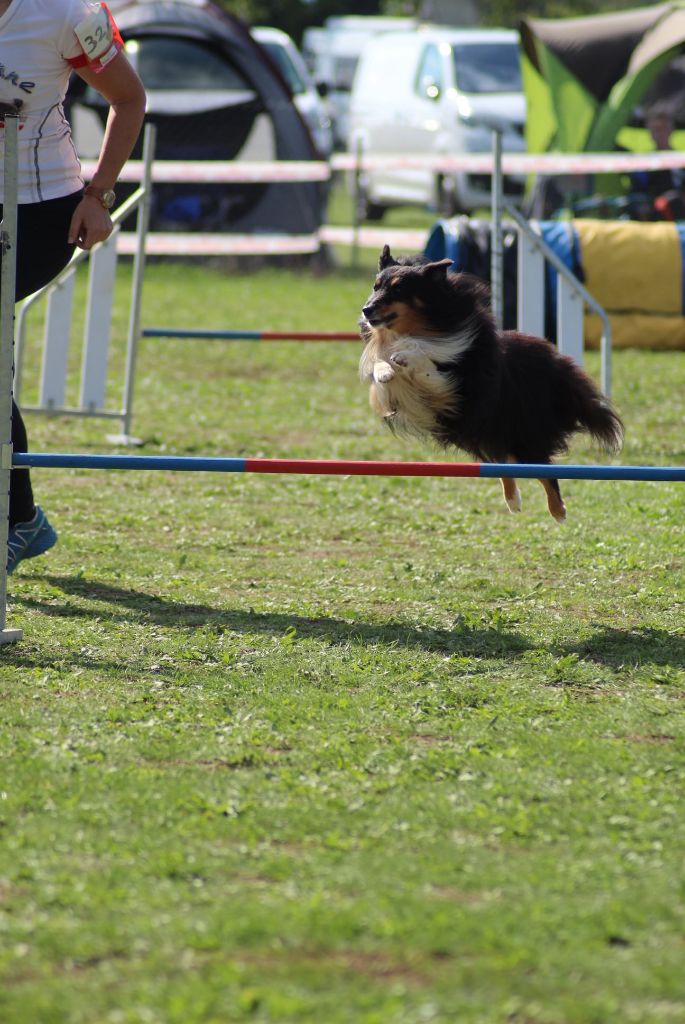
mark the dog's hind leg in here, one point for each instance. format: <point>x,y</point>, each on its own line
<point>555,502</point>
<point>512,495</point>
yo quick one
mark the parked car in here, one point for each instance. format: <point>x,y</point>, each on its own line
<point>435,92</point>
<point>331,53</point>
<point>307,99</point>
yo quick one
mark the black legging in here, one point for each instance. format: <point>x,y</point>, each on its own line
<point>42,251</point>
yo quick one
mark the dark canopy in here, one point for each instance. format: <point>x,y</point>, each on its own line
<point>585,76</point>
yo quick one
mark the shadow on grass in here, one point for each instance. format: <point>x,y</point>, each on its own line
<point>470,639</point>
<point>631,647</point>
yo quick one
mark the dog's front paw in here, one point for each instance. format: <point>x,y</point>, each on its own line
<point>382,372</point>
<point>399,359</point>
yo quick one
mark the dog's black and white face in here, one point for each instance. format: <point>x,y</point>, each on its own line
<point>403,292</point>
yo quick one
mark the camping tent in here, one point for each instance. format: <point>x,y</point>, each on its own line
<point>213,94</point>
<point>583,77</point>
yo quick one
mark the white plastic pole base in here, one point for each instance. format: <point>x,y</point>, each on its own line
<point>124,440</point>
<point>10,636</point>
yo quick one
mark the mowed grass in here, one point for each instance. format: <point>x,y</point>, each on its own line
<point>300,749</point>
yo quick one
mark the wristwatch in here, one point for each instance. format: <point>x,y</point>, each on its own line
<point>105,195</point>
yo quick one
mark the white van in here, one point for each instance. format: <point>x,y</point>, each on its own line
<point>435,91</point>
<point>332,52</point>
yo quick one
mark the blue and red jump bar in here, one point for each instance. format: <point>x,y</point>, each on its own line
<point>344,467</point>
<point>168,332</point>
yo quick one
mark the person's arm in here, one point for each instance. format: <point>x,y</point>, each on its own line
<point>119,84</point>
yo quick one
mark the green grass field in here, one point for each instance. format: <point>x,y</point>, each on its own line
<point>281,749</point>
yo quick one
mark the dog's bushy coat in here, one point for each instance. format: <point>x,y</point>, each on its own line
<point>439,367</point>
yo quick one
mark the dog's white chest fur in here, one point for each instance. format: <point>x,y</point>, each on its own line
<point>408,383</point>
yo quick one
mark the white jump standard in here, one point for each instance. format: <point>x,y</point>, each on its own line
<point>8,256</point>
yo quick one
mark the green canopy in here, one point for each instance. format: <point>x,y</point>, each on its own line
<point>583,77</point>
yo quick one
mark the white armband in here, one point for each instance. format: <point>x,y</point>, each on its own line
<point>99,37</point>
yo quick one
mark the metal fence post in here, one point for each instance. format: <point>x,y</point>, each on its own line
<point>142,225</point>
<point>496,247</point>
<point>580,289</point>
<point>357,199</point>
<point>530,287</point>
<point>8,277</point>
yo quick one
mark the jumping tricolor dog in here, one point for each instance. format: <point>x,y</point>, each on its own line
<point>439,368</point>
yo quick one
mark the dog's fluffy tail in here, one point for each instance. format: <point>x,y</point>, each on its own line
<point>596,415</point>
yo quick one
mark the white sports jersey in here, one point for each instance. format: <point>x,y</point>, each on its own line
<point>38,50</point>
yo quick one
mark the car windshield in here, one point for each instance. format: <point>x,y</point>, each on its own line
<point>487,67</point>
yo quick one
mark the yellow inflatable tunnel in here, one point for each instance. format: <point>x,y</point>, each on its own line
<point>635,270</point>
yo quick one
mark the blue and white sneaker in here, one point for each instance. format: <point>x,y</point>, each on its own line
<point>26,540</point>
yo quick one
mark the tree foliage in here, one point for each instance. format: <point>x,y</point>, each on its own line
<point>508,12</point>
<point>293,16</point>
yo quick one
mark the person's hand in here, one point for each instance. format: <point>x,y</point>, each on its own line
<point>90,224</point>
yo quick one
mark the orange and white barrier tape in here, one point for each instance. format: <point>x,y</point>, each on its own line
<point>219,172</point>
<point>162,243</point>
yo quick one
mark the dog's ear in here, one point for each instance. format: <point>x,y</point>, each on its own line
<point>436,269</point>
<point>386,259</point>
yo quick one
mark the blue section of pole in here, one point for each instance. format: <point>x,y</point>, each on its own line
<point>524,470</point>
<point>180,463</point>
<point>323,467</point>
<point>155,332</point>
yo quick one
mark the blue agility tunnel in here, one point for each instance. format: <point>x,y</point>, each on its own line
<point>635,271</point>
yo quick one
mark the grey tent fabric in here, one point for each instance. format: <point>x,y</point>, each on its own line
<point>212,131</point>
<point>598,49</point>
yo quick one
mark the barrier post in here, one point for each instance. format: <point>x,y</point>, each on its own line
<point>142,224</point>
<point>356,199</point>
<point>96,338</point>
<point>8,272</point>
<point>563,271</point>
<point>496,249</point>
<point>530,285</point>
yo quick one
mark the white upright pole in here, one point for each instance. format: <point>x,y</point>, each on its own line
<point>496,249</point>
<point>8,277</point>
<point>143,224</point>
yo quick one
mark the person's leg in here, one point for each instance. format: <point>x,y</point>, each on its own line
<point>22,505</point>
<point>42,247</point>
<point>42,251</point>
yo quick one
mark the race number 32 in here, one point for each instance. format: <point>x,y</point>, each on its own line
<point>95,33</point>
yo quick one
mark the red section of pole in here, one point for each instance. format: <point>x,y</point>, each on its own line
<point>303,336</point>
<point>353,467</point>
